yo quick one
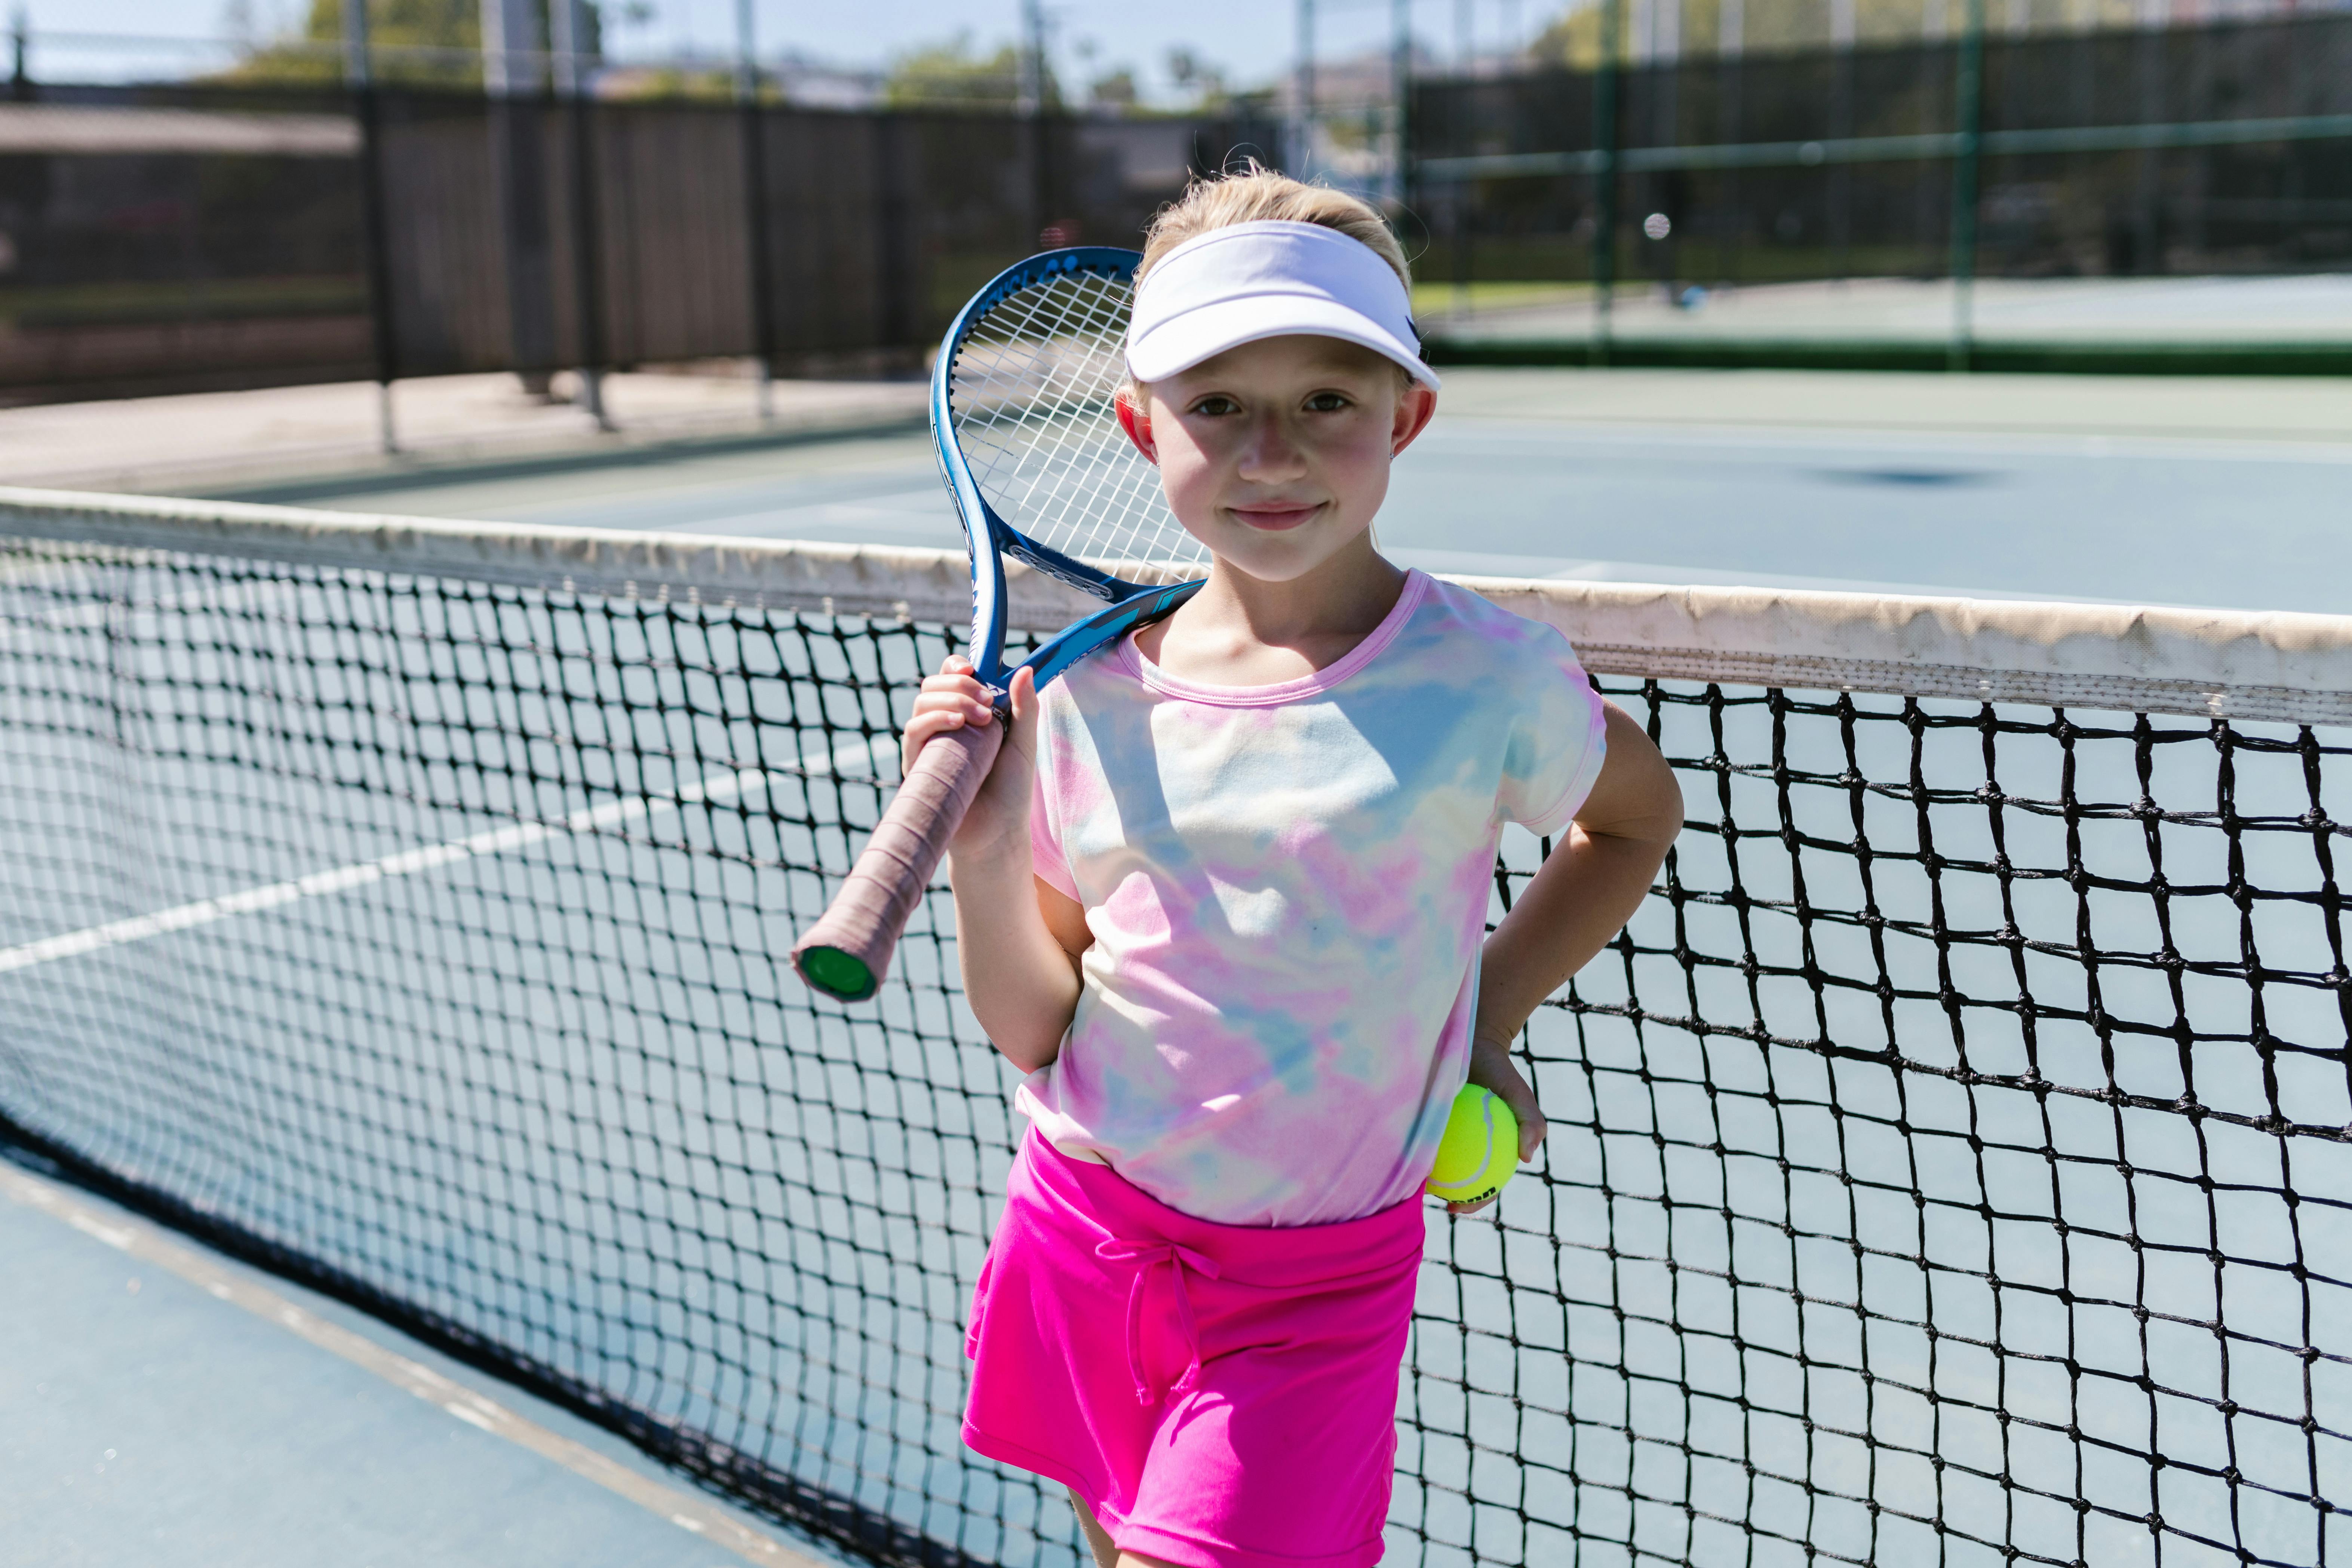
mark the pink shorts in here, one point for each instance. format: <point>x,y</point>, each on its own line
<point>1221,1396</point>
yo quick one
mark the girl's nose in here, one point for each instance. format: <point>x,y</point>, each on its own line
<point>1271,451</point>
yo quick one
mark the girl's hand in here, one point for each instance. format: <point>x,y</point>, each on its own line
<point>1491,1068</point>
<point>999,817</point>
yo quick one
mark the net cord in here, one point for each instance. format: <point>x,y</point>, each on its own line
<point>2277,666</point>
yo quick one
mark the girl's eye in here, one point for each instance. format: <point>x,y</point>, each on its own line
<point>1216,405</point>
<point>1326,403</point>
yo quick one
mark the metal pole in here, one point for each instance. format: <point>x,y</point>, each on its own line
<point>1038,147</point>
<point>514,84</point>
<point>1967,92</point>
<point>20,31</point>
<point>563,27</point>
<point>1459,194</point>
<point>1604,142</point>
<point>1401,100</point>
<point>1031,91</point>
<point>755,208</point>
<point>1303,142</point>
<point>1843,22</point>
<point>358,76</point>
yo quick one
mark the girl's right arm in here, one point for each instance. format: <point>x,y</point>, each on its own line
<point>1018,938</point>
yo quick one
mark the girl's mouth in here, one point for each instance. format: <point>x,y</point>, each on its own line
<point>1276,519</point>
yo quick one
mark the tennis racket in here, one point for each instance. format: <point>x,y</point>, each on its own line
<point>1032,451</point>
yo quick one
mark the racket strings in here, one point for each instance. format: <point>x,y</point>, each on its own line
<point>1059,468</point>
<point>1031,392</point>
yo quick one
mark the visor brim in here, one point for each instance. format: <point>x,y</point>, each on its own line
<point>1178,344</point>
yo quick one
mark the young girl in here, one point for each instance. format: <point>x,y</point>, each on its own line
<point>1222,899</point>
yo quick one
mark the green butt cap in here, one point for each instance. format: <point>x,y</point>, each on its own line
<point>837,975</point>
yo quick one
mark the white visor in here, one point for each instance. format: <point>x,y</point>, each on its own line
<point>1271,279</point>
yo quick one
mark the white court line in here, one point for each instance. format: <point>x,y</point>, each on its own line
<point>137,1239</point>
<point>408,862</point>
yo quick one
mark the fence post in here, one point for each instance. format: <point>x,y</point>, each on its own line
<point>515,86</point>
<point>1302,153</point>
<point>587,278</point>
<point>1604,142</point>
<point>1967,89</point>
<point>755,208</point>
<point>358,77</point>
<point>1030,109</point>
<point>20,36</point>
<point>1401,92</point>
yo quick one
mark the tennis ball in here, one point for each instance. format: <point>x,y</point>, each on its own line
<point>1479,1152</point>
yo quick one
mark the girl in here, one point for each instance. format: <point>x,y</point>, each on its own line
<point>1221,899</point>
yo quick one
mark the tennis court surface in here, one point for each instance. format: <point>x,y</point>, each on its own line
<point>1951,1163</point>
<point>2180,490</point>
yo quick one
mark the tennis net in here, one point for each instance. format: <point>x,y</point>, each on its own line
<point>1949,1164</point>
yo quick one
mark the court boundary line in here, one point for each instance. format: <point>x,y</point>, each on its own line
<point>717,787</point>
<point>143,1240</point>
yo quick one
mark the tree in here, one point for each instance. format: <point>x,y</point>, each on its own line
<point>450,29</point>
<point>1205,81</point>
<point>1116,90</point>
<point>1573,38</point>
<point>950,73</point>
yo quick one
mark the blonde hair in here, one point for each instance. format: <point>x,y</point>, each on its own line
<point>1258,194</point>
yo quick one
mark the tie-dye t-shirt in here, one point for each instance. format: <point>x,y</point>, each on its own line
<point>1287,886</point>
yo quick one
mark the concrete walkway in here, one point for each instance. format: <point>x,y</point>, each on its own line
<point>206,442</point>
<point>253,442</point>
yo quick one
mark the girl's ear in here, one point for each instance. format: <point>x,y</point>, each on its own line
<point>1137,424</point>
<point>1413,412</point>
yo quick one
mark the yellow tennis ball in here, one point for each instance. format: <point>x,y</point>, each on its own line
<point>1479,1152</point>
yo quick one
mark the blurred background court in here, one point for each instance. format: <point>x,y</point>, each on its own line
<point>411,1148</point>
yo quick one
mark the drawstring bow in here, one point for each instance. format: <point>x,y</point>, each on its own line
<point>1146,1256</point>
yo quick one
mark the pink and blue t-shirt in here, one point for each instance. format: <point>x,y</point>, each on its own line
<point>1287,887</point>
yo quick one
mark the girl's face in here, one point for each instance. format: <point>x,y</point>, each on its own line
<point>1276,454</point>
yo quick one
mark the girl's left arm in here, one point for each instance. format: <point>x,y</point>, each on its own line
<point>1595,879</point>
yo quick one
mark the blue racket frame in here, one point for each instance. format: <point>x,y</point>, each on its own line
<point>991,539</point>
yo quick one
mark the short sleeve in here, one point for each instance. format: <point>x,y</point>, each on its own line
<point>1045,854</point>
<point>1558,739</point>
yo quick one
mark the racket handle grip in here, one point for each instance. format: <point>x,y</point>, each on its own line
<point>845,953</point>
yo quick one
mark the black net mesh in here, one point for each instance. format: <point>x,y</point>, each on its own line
<point>1949,1165</point>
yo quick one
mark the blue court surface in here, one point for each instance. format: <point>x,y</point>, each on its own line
<point>2216,493</point>
<point>159,1403</point>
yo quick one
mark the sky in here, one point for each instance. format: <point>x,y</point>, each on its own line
<point>1251,41</point>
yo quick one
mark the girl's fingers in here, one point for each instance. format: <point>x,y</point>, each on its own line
<point>1515,1093</point>
<point>930,721</point>
<point>921,728</point>
<point>1491,1068</point>
<point>968,697</point>
<point>964,707</point>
